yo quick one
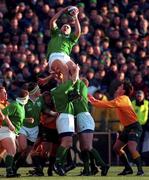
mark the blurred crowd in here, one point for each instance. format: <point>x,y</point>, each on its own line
<point>114,44</point>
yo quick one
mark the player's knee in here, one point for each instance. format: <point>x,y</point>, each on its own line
<point>86,147</point>
<point>67,143</point>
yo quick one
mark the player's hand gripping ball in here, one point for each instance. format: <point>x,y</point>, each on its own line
<point>73,11</point>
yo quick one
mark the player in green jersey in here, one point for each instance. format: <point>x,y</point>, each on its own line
<point>65,121</point>
<point>85,129</point>
<point>48,140</point>
<point>61,43</point>
<point>16,114</point>
<point>29,131</point>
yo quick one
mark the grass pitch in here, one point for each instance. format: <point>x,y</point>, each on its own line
<point>73,175</point>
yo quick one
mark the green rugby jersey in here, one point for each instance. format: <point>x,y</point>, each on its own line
<point>81,105</point>
<point>60,42</point>
<point>16,113</point>
<point>60,98</point>
<point>33,110</point>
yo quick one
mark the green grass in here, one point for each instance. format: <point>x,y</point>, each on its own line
<point>72,175</point>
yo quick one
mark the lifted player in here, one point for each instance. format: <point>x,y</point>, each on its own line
<point>61,43</point>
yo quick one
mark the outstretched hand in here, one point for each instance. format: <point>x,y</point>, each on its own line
<point>41,81</point>
<point>74,12</point>
<point>91,99</point>
<point>44,81</point>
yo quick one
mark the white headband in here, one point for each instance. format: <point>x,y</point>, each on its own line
<point>34,90</point>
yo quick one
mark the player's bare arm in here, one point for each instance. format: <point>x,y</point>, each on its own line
<point>55,18</point>
<point>77,25</point>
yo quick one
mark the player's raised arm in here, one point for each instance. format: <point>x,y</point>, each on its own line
<point>55,18</point>
<point>77,25</point>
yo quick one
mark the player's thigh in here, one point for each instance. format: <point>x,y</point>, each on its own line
<point>71,66</point>
<point>86,140</point>
<point>9,145</point>
<point>58,65</point>
<point>22,142</point>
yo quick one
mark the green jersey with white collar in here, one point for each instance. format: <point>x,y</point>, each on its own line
<point>33,110</point>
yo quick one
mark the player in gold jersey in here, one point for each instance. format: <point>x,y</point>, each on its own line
<point>131,134</point>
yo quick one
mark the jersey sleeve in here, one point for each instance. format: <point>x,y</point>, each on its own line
<point>64,87</point>
<point>73,38</point>
<point>116,103</point>
<point>9,110</point>
<point>54,31</point>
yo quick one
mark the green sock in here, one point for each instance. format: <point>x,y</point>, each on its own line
<point>92,162</point>
<point>138,162</point>
<point>124,160</point>
<point>61,155</point>
<point>9,163</point>
<point>85,159</point>
<point>97,157</point>
<point>64,158</point>
<point>69,157</point>
<point>20,161</point>
<point>17,156</point>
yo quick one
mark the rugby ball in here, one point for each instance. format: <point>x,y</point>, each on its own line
<point>72,11</point>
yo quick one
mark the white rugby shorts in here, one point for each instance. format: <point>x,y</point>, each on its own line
<point>65,123</point>
<point>64,58</point>
<point>30,133</point>
<point>5,132</point>
<point>84,122</point>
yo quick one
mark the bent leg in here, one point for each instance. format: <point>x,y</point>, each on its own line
<point>132,146</point>
<point>22,140</point>
<point>85,140</point>
<point>10,146</point>
<point>118,148</point>
<point>2,153</point>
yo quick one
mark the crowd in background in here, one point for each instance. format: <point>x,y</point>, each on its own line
<point>114,43</point>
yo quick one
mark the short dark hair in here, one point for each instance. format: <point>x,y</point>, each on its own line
<point>23,93</point>
<point>46,93</point>
<point>31,86</point>
<point>127,86</point>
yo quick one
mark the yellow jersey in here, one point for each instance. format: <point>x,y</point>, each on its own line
<point>123,107</point>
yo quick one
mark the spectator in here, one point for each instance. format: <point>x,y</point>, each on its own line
<point>116,82</point>
<point>93,84</point>
<point>118,27</point>
<point>141,106</point>
<point>139,83</point>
